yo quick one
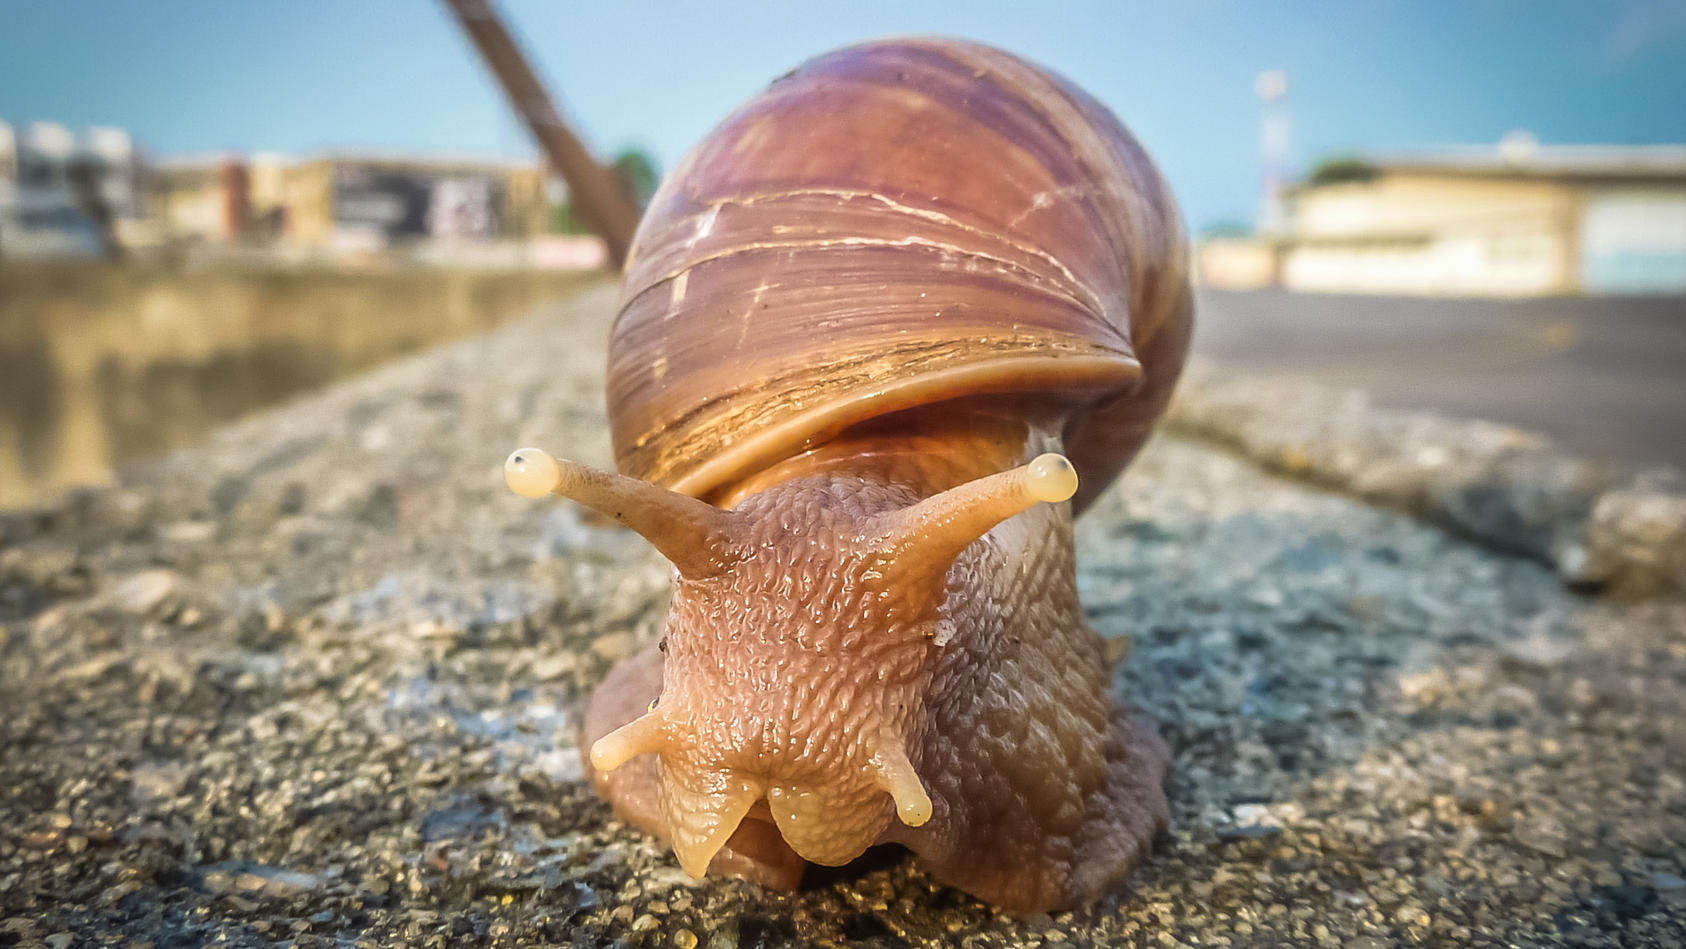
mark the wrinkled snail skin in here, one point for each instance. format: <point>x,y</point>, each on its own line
<point>868,321</point>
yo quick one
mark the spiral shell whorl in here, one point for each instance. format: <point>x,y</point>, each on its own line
<point>892,225</point>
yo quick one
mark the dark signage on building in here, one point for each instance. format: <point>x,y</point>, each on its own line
<point>408,205</point>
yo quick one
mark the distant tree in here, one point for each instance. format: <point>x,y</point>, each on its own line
<point>1335,171</point>
<point>563,220</point>
<point>1227,228</point>
<point>638,173</point>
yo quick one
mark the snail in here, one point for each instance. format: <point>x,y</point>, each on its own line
<point>883,334</point>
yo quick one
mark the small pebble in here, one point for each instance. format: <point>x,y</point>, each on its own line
<point>143,591</point>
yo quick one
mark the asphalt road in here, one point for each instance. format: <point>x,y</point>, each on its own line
<point>1604,377</point>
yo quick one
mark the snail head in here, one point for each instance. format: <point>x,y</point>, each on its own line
<point>799,648</point>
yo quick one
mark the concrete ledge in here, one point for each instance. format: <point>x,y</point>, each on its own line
<point>316,682</point>
<point>1600,527</point>
<point>103,364</point>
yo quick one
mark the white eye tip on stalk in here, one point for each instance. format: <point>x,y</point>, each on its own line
<point>532,472</point>
<point>1050,478</point>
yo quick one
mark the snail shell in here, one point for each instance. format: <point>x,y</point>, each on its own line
<point>892,225</point>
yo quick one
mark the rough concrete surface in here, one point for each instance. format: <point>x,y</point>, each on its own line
<point>1604,526</point>
<point>315,683</point>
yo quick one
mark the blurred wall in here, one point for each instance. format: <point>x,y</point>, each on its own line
<point>1522,221</point>
<point>1633,240</point>
<point>1239,263</point>
<point>102,364</point>
<point>1411,233</point>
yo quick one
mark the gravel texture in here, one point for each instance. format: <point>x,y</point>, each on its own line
<point>1602,527</point>
<point>315,683</point>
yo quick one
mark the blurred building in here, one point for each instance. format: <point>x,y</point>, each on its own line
<point>1517,220</point>
<point>67,195</point>
<point>379,201</point>
<point>197,200</point>
<point>355,202</point>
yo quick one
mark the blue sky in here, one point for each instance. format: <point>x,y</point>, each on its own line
<point>299,76</point>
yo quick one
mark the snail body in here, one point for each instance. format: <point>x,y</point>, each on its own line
<point>877,330</point>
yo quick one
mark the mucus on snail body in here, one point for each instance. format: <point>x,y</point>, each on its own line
<point>876,331</point>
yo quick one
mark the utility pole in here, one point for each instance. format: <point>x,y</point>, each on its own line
<point>597,192</point>
<point>1271,86</point>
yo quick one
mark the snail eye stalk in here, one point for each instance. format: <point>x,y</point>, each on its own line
<point>696,536</point>
<point>931,533</point>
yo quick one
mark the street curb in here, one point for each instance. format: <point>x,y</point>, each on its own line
<point>1599,526</point>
